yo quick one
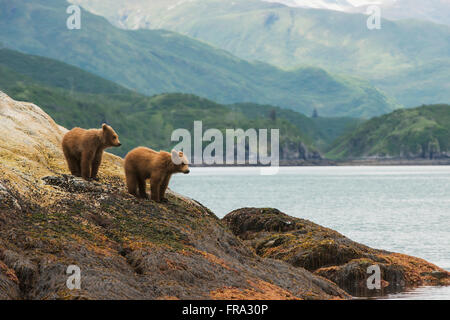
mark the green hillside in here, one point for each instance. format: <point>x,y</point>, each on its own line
<point>407,59</point>
<point>159,61</point>
<point>422,132</point>
<point>321,131</point>
<point>140,120</point>
<point>54,73</point>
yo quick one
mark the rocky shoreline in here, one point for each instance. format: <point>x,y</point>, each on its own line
<point>127,248</point>
<point>325,252</point>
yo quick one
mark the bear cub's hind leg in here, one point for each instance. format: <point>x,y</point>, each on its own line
<point>142,188</point>
<point>74,166</point>
<point>131,183</point>
<point>163,188</point>
<point>73,162</point>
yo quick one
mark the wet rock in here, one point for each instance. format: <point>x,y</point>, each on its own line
<point>25,270</point>
<point>9,284</point>
<point>327,253</point>
<point>70,183</point>
<point>7,200</point>
<point>440,274</point>
<point>298,150</point>
<point>437,274</point>
<point>353,277</point>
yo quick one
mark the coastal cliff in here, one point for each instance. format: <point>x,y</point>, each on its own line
<point>127,248</point>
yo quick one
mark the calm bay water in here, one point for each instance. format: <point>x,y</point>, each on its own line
<point>402,209</point>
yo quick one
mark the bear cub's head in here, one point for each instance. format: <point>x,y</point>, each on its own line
<point>180,161</point>
<point>109,137</point>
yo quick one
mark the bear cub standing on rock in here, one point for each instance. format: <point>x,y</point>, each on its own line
<point>83,149</point>
<point>143,163</point>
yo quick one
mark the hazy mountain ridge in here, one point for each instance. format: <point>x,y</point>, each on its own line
<point>392,58</point>
<point>158,61</point>
<point>437,11</point>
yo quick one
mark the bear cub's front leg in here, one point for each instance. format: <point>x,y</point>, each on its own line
<point>154,189</point>
<point>86,165</point>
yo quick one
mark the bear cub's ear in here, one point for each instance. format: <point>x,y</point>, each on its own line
<point>104,126</point>
<point>176,159</point>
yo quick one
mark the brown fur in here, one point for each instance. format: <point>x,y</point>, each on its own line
<point>143,163</point>
<point>83,149</point>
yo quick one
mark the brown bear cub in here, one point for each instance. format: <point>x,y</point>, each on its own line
<point>143,163</point>
<point>83,149</point>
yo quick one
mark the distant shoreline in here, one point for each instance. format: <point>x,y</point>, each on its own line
<point>332,163</point>
<point>395,162</point>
